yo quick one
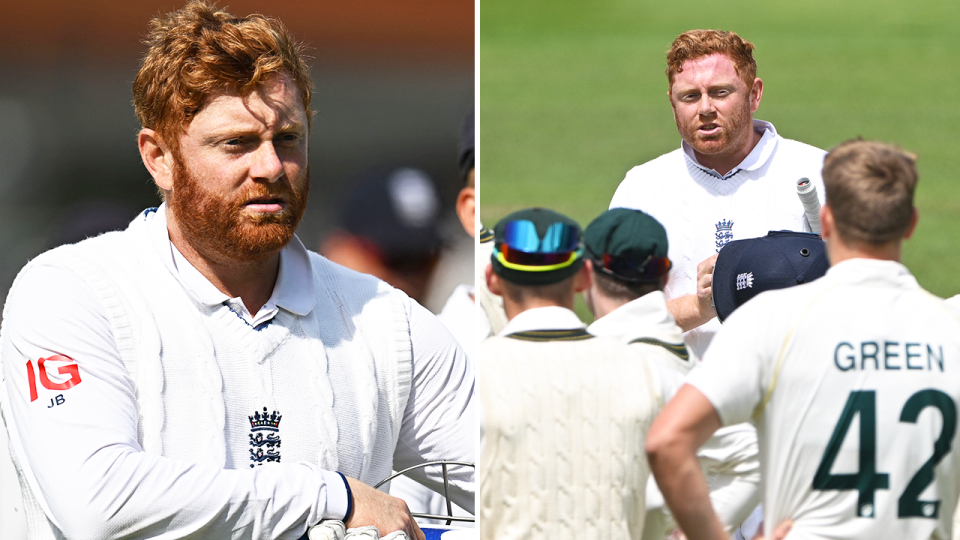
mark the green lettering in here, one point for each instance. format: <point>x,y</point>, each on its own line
<point>887,355</point>
<point>850,358</point>
<point>864,355</point>
<point>930,356</point>
<point>912,355</point>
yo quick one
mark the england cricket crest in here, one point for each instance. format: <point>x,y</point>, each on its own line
<point>264,437</point>
<point>724,233</point>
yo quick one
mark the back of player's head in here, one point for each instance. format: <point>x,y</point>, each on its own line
<point>537,247</point>
<point>869,188</point>
<point>628,250</point>
<point>695,44</point>
<point>199,51</point>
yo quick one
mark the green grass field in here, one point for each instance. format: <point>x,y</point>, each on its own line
<point>573,93</point>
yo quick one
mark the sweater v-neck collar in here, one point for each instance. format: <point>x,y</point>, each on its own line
<point>293,291</point>
<point>754,160</point>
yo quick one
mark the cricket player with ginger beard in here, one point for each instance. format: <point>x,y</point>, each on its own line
<point>862,343</point>
<point>150,375</point>
<point>734,176</point>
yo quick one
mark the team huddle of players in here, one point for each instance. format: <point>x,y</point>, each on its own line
<point>831,402</point>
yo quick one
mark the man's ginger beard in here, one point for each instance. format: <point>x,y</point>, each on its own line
<point>217,227</point>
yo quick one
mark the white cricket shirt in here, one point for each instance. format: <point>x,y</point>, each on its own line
<point>73,423</point>
<point>702,211</point>
<point>853,382</point>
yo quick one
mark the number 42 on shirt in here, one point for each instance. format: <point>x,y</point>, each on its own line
<point>867,480</point>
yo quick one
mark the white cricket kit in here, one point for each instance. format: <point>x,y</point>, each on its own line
<point>459,315</point>
<point>565,416</point>
<point>492,317</point>
<point>702,210</point>
<point>730,459</point>
<point>853,382</point>
<point>141,401</point>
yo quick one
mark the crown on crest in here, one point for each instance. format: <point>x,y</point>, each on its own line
<point>265,421</point>
<point>724,225</point>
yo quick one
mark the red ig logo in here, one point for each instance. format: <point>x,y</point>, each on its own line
<point>71,369</point>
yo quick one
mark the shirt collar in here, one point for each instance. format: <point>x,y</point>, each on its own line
<point>293,291</point>
<point>543,318</point>
<point>754,160</point>
<point>856,271</point>
<point>646,316</point>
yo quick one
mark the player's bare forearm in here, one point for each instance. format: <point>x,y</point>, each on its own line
<point>681,428</point>
<point>690,312</point>
<point>693,310</point>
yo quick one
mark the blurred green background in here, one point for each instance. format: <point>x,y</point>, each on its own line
<point>573,94</point>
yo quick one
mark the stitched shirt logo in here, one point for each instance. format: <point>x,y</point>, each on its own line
<point>264,437</point>
<point>724,233</point>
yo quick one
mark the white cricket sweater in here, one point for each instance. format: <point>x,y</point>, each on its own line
<point>702,211</point>
<point>730,458</point>
<point>157,437</point>
<point>564,423</point>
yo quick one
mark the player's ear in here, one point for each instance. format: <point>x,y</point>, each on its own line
<point>588,267</point>
<point>756,93</point>
<point>467,208</point>
<point>582,279</point>
<point>826,222</point>
<point>913,223</point>
<point>157,158</point>
<point>493,281</point>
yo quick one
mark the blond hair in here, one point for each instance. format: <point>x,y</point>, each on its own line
<point>870,188</point>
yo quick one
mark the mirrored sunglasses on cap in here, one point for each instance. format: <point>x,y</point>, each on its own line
<point>650,269</point>
<point>522,248</point>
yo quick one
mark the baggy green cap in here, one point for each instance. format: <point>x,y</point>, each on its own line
<point>629,240</point>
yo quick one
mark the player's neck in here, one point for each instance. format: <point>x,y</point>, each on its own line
<point>724,163</point>
<point>513,308</point>
<point>839,250</point>
<point>252,280</point>
<point>602,305</point>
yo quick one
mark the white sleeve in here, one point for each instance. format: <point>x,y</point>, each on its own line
<point>733,372</point>
<point>72,425</point>
<point>622,196</point>
<point>438,423</point>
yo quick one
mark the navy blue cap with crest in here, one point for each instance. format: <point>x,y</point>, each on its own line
<point>781,259</point>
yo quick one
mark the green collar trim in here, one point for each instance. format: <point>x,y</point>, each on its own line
<point>552,335</point>
<point>679,350</point>
<point>486,235</point>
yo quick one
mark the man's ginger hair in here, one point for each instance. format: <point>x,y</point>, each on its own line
<point>870,187</point>
<point>695,44</point>
<point>199,51</point>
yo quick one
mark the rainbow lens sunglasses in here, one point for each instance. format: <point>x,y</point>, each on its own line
<point>650,269</point>
<point>522,248</point>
